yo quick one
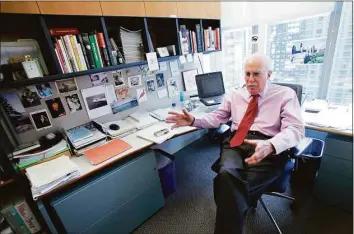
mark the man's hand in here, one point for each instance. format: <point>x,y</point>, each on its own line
<point>262,150</point>
<point>180,119</point>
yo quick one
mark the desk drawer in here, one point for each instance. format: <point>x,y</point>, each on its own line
<point>126,218</point>
<point>337,165</point>
<point>339,148</point>
<point>334,189</point>
<point>85,206</point>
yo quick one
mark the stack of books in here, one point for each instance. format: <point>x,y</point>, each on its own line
<point>79,51</point>
<point>40,155</point>
<point>212,39</point>
<point>191,41</point>
<point>49,175</point>
<point>132,45</point>
<point>84,137</point>
<point>24,148</point>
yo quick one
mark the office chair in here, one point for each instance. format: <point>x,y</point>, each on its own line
<point>306,148</point>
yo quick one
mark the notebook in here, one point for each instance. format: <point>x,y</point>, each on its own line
<point>79,133</point>
<point>104,152</point>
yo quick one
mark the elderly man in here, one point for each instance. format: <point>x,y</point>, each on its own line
<point>266,121</point>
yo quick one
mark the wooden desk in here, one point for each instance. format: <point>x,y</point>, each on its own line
<point>348,133</point>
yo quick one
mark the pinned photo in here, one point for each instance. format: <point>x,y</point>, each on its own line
<point>55,107</point>
<point>172,88</point>
<point>65,86</point>
<point>16,112</point>
<point>99,79</point>
<point>29,96</point>
<point>150,85</point>
<point>40,119</point>
<point>141,95</point>
<point>160,80</point>
<point>73,102</point>
<point>44,90</point>
<point>96,101</point>
<point>134,81</point>
<point>122,93</point>
<point>118,78</point>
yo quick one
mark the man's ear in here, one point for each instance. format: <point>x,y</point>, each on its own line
<point>269,74</point>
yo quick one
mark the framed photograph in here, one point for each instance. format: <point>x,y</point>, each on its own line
<point>28,96</point>
<point>65,86</point>
<point>73,102</point>
<point>99,79</point>
<point>32,68</point>
<point>134,81</point>
<point>189,79</point>
<point>160,80</point>
<point>55,107</point>
<point>44,90</point>
<point>150,85</point>
<point>118,78</point>
<point>40,119</point>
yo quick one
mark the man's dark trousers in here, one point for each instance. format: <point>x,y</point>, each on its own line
<point>238,185</point>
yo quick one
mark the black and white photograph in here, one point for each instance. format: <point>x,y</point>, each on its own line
<point>65,86</point>
<point>99,79</point>
<point>172,88</point>
<point>150,85</point>
<point>55,107</point>
<point>73,102</point>
<point>40,119</point>
<point>160,80</point>
<point>96,101</point>
<point>134,81</point>
<point>118,78</point>
<point>29,96</point>
<point>44,90</point>
<point>16,112</point>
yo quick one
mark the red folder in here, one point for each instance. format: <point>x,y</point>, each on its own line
<point>101,153</point>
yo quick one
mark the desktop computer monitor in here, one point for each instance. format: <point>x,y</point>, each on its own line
<point>210,84</point>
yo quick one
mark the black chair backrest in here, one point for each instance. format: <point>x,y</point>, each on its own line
<point>296,87</point>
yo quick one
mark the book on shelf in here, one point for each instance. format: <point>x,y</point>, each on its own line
<point>211,39</point>
<point>192,41</point>
<point>79,51</point>
<point>199,38</point>
<point>183,36</point>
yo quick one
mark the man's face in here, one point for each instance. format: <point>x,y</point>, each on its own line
<point>256,76</point>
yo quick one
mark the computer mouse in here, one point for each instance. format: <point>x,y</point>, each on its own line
<point>114,127</point>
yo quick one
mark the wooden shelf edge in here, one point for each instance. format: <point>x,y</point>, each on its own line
<point>210,51</point>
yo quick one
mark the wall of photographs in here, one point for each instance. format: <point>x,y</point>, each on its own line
<point>34,111</point>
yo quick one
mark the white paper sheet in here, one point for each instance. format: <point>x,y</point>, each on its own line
<point>152,61</point>
<point>189,58</point>
<point>174,68</point>
<point>182,59</point>
<point>163,66</point>
<point>206,63</point>
<point>110,94</point>
<point>141,95</point>
<point>196,58</point>
<point>162,93</point>
<point>189,79</point>
<point>96,102</point>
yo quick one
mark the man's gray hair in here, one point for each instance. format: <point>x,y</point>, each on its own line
<point>265,60</point>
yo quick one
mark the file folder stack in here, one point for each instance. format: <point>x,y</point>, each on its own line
<point>47,176</point>
<point>132,43</point>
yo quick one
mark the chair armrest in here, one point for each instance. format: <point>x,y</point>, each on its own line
<point>301,147</point>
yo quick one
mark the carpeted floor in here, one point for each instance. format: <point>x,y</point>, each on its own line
<point>191,209</point>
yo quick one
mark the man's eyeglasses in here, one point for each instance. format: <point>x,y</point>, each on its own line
<point>254,74</point>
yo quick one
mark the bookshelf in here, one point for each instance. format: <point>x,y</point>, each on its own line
<point>162,31</point>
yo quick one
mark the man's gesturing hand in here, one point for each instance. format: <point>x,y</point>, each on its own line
<point>262,150</point>
<point>180,119</point>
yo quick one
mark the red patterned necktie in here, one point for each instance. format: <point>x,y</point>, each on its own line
<point>246,122</point>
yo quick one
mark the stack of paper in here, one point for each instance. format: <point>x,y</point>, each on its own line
<point>132,43</point>
<point>125,128</point>
<point>143,119</point>
<point>148,133</point>
<point>160,114</point>
<point>49,175</point>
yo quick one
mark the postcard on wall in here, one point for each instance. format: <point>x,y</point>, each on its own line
<point>44,90</point>
<point>96,102</point>
<point>306,51</point>
<point>55,107</point>
<point>189,79</point>
<point>110,94</point>
<point>174,68</point>
<point>152,61</point>
<point>162,93</point>
<point>172,88</point>
<point>134,81</point>
<point>125,101</point>
<point>160,80</point>
<point>141,95</point>
<point>150,85</point>
<point>163,66</point>
<point>122,93</point>
<point>99,79</point>
<point>118,78</point>
<point>29,96</point>
<point>73,102</point>
<point>65,86</point>
<point>189,58</point>
<point>16,112</point>
<point>182,59</point>
<point>40,119</point>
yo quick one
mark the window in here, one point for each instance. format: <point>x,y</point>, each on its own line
<point>236,49</point>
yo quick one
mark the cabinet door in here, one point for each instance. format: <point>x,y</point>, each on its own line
<point>189,10</point>
<point>19,7</point>
<point>123,8</point>
<point>161,9</point>
<point>70,8</point>
<point>211,10</point>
